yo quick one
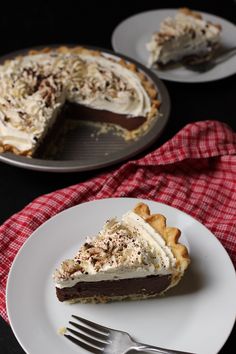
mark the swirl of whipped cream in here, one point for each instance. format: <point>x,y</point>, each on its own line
<point>118,89</point>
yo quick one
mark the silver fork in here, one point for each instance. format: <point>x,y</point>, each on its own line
<point>205,64</point>
<point>98,339</point>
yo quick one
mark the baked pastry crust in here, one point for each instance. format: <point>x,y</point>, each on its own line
<point>171,235</point>
<point>186,11</point>
<point>145,81</point>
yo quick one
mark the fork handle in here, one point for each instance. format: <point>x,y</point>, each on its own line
<point>152,349</point>
<point>225,55</point>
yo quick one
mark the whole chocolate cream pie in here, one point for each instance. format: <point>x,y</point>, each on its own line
<point>137,257</point>
<point>34,89</point>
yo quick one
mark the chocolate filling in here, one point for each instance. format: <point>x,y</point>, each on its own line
<point>97,115</point>
<point>151,285</point>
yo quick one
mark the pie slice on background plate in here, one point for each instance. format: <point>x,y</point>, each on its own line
<point>186,35</point>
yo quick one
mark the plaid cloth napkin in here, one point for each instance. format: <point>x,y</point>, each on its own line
<point>195,172</point>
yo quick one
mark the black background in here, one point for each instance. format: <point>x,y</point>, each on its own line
<point>26,24</point>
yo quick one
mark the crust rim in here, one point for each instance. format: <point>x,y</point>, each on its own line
<point>170,235</point>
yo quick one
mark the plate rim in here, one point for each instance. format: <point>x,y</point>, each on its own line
<point>158,73</point>
<point>174,209</point>
<point>65,166</point>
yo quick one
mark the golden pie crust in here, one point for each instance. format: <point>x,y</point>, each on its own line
<point>170,235</point>
<point>186,11</point>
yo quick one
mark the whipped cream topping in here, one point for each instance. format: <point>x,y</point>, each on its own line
<point>124,249</point>
<point>122,88</point>
<point>34,88</point>
<point>181,36</point>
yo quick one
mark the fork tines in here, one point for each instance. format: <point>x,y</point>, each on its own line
<point>93,337</point>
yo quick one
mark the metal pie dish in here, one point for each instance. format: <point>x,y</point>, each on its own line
<point>84,148</point>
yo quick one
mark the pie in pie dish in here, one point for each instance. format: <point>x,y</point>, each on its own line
<point>137,257</point>
<point>187,35</point>
<point>36,88</point>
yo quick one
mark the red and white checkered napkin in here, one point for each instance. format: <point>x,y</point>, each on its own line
<point>195,171</point>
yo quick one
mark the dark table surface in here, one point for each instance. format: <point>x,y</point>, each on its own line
<point>92,23</point>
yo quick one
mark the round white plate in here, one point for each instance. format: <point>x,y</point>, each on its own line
<point>196,316</point>
<point>131,35</point>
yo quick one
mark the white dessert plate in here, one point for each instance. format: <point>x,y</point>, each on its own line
<point>82,146</point>
<point>131,35</point>
<point>197,316</point>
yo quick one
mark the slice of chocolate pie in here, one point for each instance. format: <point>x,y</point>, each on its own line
<point>135,258</point>
<point>187,35</point>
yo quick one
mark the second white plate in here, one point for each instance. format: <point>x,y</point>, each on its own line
<point>196,316</point>
<point>131,35</point>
